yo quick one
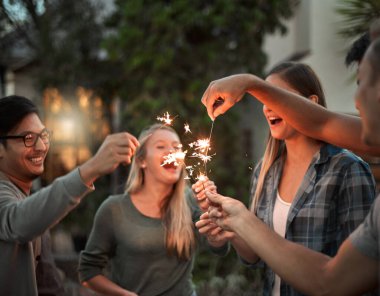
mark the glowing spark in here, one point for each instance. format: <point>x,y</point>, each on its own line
<point>190,169</point>
<point>166,118</point>
<point>175,158</point>
<point>201,156</point>
<point>201,177</point>
<point>201,144</point>
<point>187,128</point>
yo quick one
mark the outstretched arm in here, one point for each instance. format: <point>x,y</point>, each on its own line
<point>312,273</point>
<point>116,148</point>
<point>308,118</point>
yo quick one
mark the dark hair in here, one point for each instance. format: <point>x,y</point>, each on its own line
<point>357,49</point>
<point>302,78</point>
<point>373,56</point>
<point>13,110</point>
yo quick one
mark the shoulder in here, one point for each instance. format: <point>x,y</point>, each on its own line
<point>344,157</point>
<point>9,191</point>
<point>112,203</point>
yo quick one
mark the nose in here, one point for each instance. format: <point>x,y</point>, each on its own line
<point>266,108</point>
<point>40,145</point>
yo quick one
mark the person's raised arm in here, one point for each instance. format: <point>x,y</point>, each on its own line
<point>116,148</point>
<point>310,272</point>
<point>312,120</point>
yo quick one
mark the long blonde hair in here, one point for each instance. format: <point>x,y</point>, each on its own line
<point>175,210</point>
<point>304,80</point>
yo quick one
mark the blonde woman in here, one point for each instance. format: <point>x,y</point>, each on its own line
<point>147,234</point>
<point>307,191</point>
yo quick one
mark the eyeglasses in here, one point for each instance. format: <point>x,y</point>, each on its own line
<point>30,138</point>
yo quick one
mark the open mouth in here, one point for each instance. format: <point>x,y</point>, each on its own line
<point>170,165</point>
<point>274,120</point>
<point>37,159</point>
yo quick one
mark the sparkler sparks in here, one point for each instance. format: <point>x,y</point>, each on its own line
<point>187,128</point>
<point>200,149</point>
<point>166,118</point>
<point>176,158</point>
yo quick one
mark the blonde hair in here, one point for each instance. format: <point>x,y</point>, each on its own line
<point>175,209</point>
<point>304,80</point>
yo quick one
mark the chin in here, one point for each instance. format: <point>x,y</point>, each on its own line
<point>371,140</point>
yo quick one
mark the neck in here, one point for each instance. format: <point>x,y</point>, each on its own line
<point>24,186</point>
<point>302,149</point>
<point>155,192</point>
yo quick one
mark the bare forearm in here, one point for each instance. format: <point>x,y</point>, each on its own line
<point>244,250</point>
<point>300,267</point>
<point>311,119</point>
<point>310,272</point>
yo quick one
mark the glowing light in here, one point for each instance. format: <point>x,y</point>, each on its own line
<point>166,118</point>
<point>201,177</point>
<point>199,149</point>
<point>187,128</point>
<point>176,158</point>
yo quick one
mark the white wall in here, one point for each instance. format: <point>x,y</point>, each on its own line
<point>315,26</point>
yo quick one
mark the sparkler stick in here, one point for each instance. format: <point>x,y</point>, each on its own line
<point>200,147</point>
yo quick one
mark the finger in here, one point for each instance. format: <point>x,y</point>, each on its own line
<point>202,223</point>
<point>222,108</point>
<point>204,216</point>
<point>217,230</point>
<point>208,101</point>
<point>214,197</point>
<point>214,213</point>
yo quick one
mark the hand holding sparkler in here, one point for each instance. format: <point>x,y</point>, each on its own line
<point>224,93</point>
<point>203,184</point>
<point>215,234</point>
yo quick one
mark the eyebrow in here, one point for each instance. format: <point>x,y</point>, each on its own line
<point>173,142</point>
<point>31,132</point>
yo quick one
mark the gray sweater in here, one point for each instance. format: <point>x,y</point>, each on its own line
<point>23,220</point>
<point>134,245</point>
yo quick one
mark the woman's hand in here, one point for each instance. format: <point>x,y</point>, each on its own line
<point>199,189</point>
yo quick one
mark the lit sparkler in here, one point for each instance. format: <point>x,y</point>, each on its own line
<point>187,128</point>
<point>200,149</point>
<point>166,118</point>
<point>177,158</point>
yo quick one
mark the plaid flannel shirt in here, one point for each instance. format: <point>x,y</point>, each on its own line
<point>334,197</point>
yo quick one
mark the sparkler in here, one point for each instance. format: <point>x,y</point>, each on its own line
<point>166,118</point>
<point>200,149</point>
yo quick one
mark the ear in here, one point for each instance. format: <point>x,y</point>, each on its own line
<point>314,98</point>
<point>142,164</point>
<point>2,150</point>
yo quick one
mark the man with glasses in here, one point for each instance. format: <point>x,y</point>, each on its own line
<point>25,218</point>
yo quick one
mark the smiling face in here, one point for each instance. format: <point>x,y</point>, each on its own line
<point>23,164</point>
<point>160,143</point>
<point>279,129</point>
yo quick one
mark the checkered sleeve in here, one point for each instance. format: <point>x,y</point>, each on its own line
<point>356,195</point>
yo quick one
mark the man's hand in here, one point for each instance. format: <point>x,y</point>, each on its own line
<point>116,148</point>
<point>224,211</point>
<point>216,236</point>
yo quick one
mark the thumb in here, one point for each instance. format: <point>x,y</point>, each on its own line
<point>214,197</point>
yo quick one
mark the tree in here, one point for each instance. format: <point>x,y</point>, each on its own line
<point>58,36</point>
<point>357,16</point>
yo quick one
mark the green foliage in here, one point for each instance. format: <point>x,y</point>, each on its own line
<point>61,36</point>
<point>357,16</point>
